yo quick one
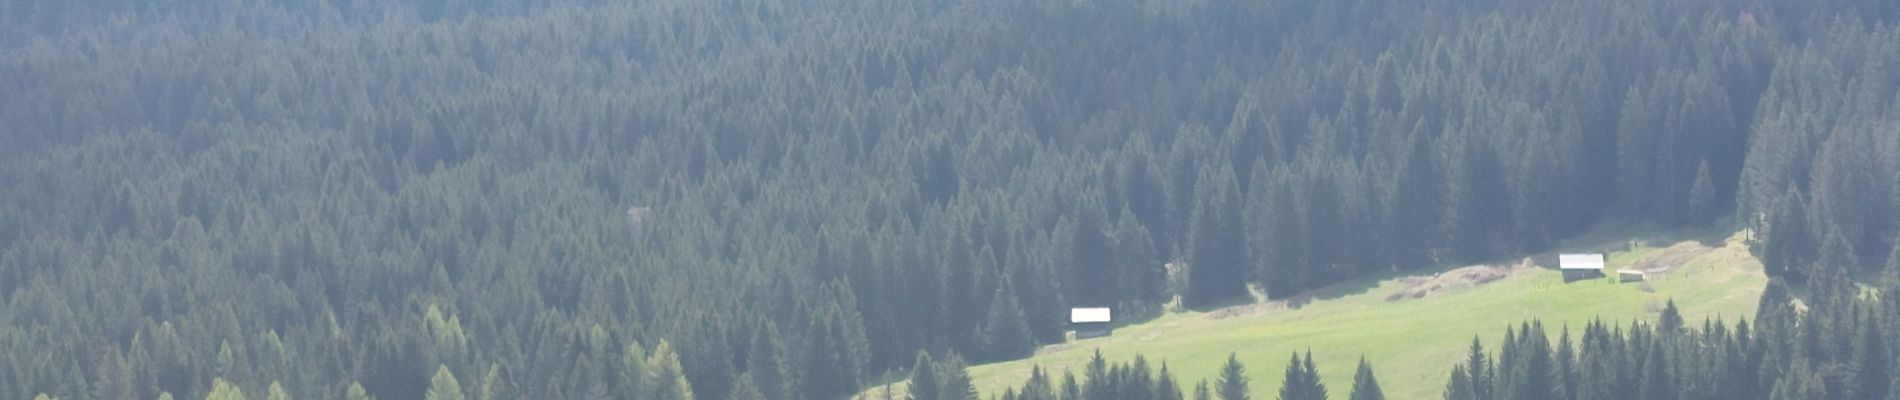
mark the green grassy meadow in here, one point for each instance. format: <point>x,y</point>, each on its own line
<point>1412,343</point>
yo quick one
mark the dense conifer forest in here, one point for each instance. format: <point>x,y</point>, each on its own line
<point>754,199</point>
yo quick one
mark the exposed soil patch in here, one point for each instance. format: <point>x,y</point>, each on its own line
<point>1414,287</point>
<point>1417,287</point>
<point>1671,258</point>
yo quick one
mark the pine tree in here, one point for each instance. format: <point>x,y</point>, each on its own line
<point>668,380</point>
<point>1891,277</point>
<point>769,363</point>
<point>1364,385</point>
<point>1787,242</point>
<point>1233,380</point>
<point>1701,195</point>
<point>957,384</point>
<point>744,389</point>
<point>443,385</point>
<point>276,392</point>
<point>1829,279</point>
<point>1459,387</point>
<point>1006,334</point>
<point>1800,383</point>
<point>632,371</point>
<point>1658,380</point>
<point>1872,363</point>
<point>1671,320</point>
<point>1567,366</point>
<point>1070,389</point>
<point>356,392</point>
<point>1300,382</point>
<point>223,390</point>
<point>925,384</point>
<point>1096,372</point>
<point>1314,389</point>
<point>1165,387</point>
<point>1201,392</point>
<point>1478,367</point>
<point>1217,255</point>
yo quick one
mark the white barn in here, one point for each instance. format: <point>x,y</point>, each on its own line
<point>1088,322</point>
<point>1580,266</point>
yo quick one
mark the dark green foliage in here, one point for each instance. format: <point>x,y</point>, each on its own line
<point>1302,380</point>
<point>1837,349</point>
<point>1670,320</point>
<point>1658,374</point>
<point>768,364</point>
<point>1701,196</point>
<point>925,382</point>
<point>956,380</point>
<point>1233,380</point>
<point>1459,388</point>
<point>282,191</point>
<point>1006,335</point>
<point>1165,386</point>
<point>1364,385</point>
<point>1108,381</point>
<point>1872,364</point>
<point>1217,255</point>
<point>1787,242</point>
<point>1479,383</point>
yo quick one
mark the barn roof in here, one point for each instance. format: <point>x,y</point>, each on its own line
<point>1086,315</point>
<point>1580,261</point>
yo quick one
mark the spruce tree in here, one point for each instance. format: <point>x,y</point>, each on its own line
<point>224,390</point>
<point>1459,387</point>
<point>443,386</point>
<point>667,379</point>
<point>1478,367</point>
<point>356,392</point>
<point>1006,334</point>
<point>1314,389</point>
<point>1872,363</point>
<point>1566,366</point>
<point>1787,242</point>
<point>925,383</point>
<point>1217,259</point>
<point>1165,387</point>
<point>769,363</point>
<point>957,384</point>
<point>1890,278</point>
<point>1701,195</point>
<point>743,388</point>
<point>1201,392</point>
<point>1292,385</point>
<point>632,371</point>
<point>1658,380</point>
<point>1364,385</point>
<point>276,392</point>
<point>1671,320</point>
<point>1233,380</point>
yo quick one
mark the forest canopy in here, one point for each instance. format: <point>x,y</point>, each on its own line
<point>680,198</point>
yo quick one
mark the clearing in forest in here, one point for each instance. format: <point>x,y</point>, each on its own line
<point>1414,328</point>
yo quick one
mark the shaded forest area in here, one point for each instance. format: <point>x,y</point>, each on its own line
<point>334,198</point>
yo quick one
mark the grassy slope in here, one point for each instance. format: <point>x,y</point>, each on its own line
<point>1414,343</point>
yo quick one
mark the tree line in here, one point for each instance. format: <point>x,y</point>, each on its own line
<point>1133,380</point>
<point>1833,343</point>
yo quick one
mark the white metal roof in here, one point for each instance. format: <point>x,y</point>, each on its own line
<point>1083,315</point>
<point>1580,261</point>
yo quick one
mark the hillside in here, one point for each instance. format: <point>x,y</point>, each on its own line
<point>1414,342</point>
